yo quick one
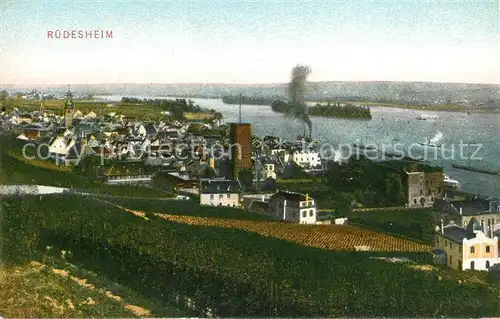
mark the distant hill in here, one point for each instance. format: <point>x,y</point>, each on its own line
<point>416,92</point>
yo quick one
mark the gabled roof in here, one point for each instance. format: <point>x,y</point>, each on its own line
<point>472,207</point>
<point>32,134</point>
<point>214,186</point>
<point>292,196</point>
<point>75,151</point>
<point>151,129</point>
<point>455,233</point>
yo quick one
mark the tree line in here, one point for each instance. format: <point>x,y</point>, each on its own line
<point>329,110</point>
<point>176,107</point>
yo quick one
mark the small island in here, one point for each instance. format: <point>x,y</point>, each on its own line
<point>328,110</point>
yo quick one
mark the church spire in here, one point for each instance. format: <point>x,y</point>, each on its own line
<point>69,99</point>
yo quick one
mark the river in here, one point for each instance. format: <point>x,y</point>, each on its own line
<point>392,127</point>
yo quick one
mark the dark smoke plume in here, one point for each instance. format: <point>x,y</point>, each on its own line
<point>296,90</point>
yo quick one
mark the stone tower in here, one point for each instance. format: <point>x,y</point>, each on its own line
<point>69,109</point>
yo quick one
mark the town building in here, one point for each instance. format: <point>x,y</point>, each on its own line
<point>466,248</point>
<point>293,207</point>
<point>486,212</point>
<point>220,192</point>
<point>69,109</point>
<point>422,188</point>
<point>306,159</point>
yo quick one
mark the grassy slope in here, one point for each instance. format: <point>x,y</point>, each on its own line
<point>29,291</point>
<point>15,169</point>
<point>189,208</point>
<point>415,224</point>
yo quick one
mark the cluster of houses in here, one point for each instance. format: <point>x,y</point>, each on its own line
<point>166,145</point>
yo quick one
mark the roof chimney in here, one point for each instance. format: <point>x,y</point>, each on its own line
<point>460,210</point>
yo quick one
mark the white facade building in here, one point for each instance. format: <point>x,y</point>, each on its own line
<point>305,159</point>
<point>481,252</point>
<point>293,207</point>
<point>215,192</point>
<point>60,146</point>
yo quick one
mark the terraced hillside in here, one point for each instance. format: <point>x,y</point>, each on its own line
<point>331,237</point>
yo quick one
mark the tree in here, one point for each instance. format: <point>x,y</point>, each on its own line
<point>4,95</point>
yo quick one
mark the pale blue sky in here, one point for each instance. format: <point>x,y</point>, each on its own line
<point>251,41</point>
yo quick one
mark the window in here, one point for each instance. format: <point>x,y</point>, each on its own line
<point>487,264</point>
<point>472,250</point>
<point>211,196</point>
<point>445,243</point>
<point>421,192</point>
<point>451,245</point>
<point>415,201</point>
<point>221,196</point>
<point>488,249</point>
<point>472,265</point>
<point>451,259</point>
<point>228,196</point>
<point>437,240</point>
<point>311,213</point>
<point>304,213</point>
<point>302,204</point>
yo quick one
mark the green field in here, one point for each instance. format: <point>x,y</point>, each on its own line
<point>139,112</point>
<point>415,224</point>
<point>233,272</point>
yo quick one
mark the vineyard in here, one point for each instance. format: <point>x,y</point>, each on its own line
<point>332,237</point>
<point>230,271</point>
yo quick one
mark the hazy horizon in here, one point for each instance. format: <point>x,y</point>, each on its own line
<point>238,84</point>
<point>250,43</point>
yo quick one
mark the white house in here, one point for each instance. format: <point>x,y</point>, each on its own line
<point>481,252</point>
<point>293,207</point>
<point>215,192</point>
<point>266,169</point>
<point>304,158</point>
<point>466,248</point>
<point>90,115</point>
<point>138,130</point>
<point>60,146</point>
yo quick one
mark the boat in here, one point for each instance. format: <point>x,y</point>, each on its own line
<point>362,147</point>
<point>451,183</point>
<point>477,170</point>
<point>433,142</point>
<point>424,117</point>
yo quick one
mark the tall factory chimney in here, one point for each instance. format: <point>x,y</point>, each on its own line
<point>240,135</point>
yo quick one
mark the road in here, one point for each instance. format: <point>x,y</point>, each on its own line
<point>9,190</point>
